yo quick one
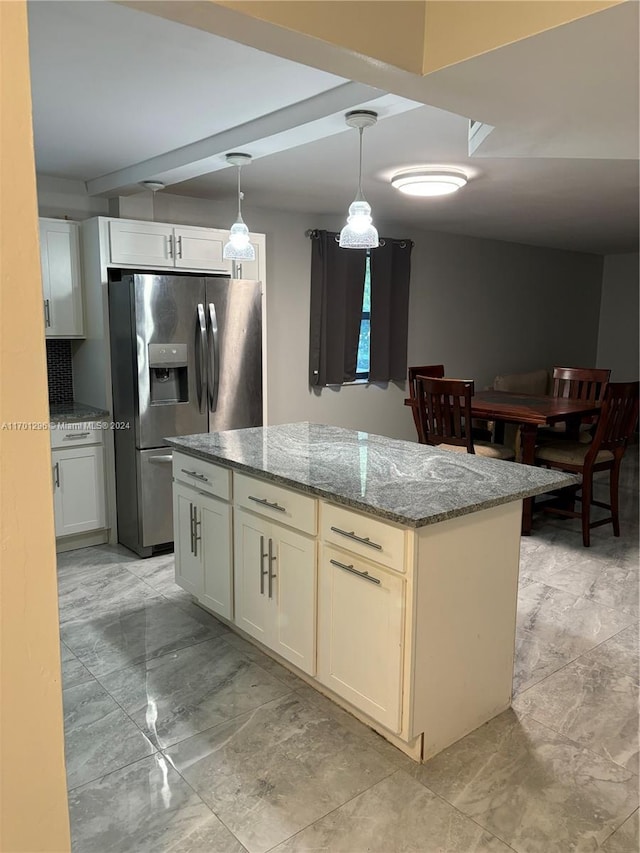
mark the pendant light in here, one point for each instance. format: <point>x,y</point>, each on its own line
<point>359,232</point>
<point>239,248</point>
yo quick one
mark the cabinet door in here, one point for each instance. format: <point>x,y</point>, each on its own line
<point>79,503</point>
<point>360,629</point>
<point>214,526</point>
<point>141,243</point>
<point>252,270</point>
<point>61,282</point>
<point>188,557</point>
<point>201,248</point>
<point>292,590</point>
<point>251,539</point>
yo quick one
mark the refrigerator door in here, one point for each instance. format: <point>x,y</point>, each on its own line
<point>155,517</point>
<point>170,331</point>
<point>234,364</point>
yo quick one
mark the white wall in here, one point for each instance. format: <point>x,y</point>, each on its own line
<point>618,331</point>
<point>481,307</point>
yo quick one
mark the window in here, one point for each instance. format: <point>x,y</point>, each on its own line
<point>362,368</point>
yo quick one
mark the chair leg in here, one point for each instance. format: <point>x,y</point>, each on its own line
<point>586,508</point>
<point>614,481</point>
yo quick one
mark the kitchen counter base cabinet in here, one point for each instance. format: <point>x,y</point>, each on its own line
<point>361,635</point>
<point>203,558</point>
<point>275,587</point>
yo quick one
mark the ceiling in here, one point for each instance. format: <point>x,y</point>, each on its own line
<point>121,96</point>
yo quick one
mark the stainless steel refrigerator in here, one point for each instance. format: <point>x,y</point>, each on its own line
<point>186,357</point>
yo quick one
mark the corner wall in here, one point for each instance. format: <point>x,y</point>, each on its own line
<point>33,789</point>
<point>618,329</point>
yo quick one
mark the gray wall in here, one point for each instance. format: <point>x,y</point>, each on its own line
<point>481,307</point>
<point>618,332</point>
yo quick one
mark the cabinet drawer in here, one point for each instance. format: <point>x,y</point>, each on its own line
<point>75,434</point>
<point>276,502</point>
<point>363,535</point>
<point>205,476</point>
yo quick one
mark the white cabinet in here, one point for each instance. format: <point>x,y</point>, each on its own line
<point>61,278</point>
<point>156,244</point>
<point>275,587</point>
<point>78,476</point>
<point>202,534</point>
<point>252,270</point>
<point>360,634</point>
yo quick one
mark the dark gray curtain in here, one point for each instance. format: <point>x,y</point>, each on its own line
<point>390,273</point>
<point>337,286</point>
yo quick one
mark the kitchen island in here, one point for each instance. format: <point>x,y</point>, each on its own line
<point>383,572</point>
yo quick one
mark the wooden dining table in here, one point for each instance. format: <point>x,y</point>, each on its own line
<point>528,412</point>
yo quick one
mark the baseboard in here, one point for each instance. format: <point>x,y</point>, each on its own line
<point>81,540</point>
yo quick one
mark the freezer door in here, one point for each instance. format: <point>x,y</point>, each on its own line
<point>170,330</point>
<point>155,519</point>
<point>234,365</point>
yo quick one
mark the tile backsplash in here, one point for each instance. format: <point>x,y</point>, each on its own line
<point>59,372</point>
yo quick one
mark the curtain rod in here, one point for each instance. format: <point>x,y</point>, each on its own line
<point>314,234</point>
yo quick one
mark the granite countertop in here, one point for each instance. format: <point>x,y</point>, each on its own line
<point>65,413</point>
<point>402,481</point>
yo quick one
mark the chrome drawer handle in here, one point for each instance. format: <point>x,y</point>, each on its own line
<point>270,504</point>
<point>77,435</point>
<point>195,474</point>
<point>363,539</point>
<point>364,575</point>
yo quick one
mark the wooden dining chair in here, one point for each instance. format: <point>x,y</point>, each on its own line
<point>435,370</point>
<point>577,383</point>
<point>616,425</point>
<point>444,409</point>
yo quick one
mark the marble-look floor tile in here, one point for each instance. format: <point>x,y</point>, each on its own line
<point>87,593</point>
<point>74,673</point>
<point>180,694</point>
<point>555,627</point>
<point>535,789</point>
<point>621,652</point>
<point>264,661</point>
<point>626,839</point>
<point>116,640</point>
<point>158,572</point>
<point>397,814</point>
<point>271,773</point>
<point>593,704</point>
<point>99,737</point>
<point>615,586</point>
<point>147,808</point>
<point>97,556</point>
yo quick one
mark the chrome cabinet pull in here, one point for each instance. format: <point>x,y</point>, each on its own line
<point>270,504</point>
<point>197,526</point>
<point>364,575</point>
<point>76,435</point>
<point>47,314</point>
<point>170,246</point>
<point>272,575</point>
<point>263,572</point>
<point>179,247</point>
<point>191,525</point>
<point>363,539</point>
<point>56,473</point>
<point>193,473</point>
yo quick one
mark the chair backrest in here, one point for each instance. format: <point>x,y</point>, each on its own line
<point>618,418</point>
<point>436,370</point>
<point>580,383</point>
<point>444,407</point>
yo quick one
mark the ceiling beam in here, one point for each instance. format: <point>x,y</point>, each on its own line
<point>282,127</point>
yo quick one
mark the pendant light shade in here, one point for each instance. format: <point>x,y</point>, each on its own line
<point>359,232</point>
<point>238,248</point>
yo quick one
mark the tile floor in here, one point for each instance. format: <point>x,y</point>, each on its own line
<point>182,737</point>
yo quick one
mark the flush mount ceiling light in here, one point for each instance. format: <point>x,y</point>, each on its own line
<point>429,182</point>
<point>359,233</point>
<point>239,248</point>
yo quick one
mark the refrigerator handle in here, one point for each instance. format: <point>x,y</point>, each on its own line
<point>213,381</point>
<point>201,358</point>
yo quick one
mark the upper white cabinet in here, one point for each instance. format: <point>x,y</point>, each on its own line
<point>156,244</point>
<point>61,278</point>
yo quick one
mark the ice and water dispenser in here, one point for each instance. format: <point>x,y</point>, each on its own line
<point>168,377</point>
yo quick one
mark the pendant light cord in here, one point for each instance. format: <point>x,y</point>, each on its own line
<point>360,131</point>
<point>239,197</point>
